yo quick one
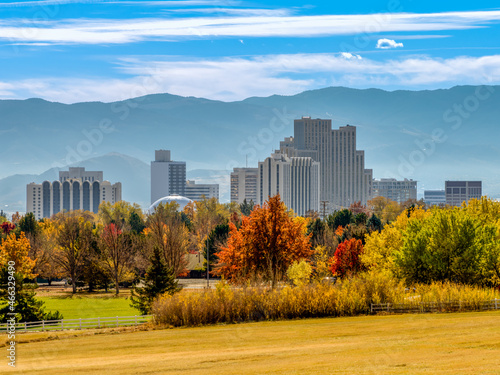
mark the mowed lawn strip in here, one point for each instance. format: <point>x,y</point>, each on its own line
<point>461,343</point>
<point>74,307</point>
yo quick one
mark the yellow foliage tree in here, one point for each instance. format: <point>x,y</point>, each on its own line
<point>16,250</point>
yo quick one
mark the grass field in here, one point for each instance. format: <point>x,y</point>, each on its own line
<point>462,343</point>
<point>86,305</point>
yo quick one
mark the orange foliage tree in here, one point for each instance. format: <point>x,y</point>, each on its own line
<point>16,250</point>
<point>346,260</point>
<point>266,244</point>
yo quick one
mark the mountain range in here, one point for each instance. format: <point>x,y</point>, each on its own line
<point>430,136</point>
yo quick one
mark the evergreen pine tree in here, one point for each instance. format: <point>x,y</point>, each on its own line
<point>159,279</point>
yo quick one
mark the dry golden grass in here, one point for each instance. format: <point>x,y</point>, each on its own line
<point>463,343</point>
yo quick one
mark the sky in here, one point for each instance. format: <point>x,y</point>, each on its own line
<point>74,51</point>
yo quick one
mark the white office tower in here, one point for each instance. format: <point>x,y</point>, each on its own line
<point>168,177</point>
<point>76,189</point>
<point>244,185</point>
<point>344,179</point>
<point>196,192</point>
<point>296,179</point>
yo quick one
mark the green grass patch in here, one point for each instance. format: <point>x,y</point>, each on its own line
<point>85,306</point>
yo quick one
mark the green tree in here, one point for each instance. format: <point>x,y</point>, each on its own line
<point>159,279</point>
<point>374,223</point>
<point>361,218</point>
<point>340,218</point>
<point>216,239</point>
<point>246,207</point>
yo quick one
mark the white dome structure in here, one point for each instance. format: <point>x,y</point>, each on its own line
<point>180,200</point>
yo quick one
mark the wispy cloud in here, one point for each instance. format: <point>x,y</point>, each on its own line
<point>172,3</point>
<point>105,31</point>
<point>259,76</point>
<point>388,44</point>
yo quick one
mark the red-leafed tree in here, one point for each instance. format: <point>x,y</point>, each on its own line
<point>7,227</point>
<point>265,245</point>
<point>346,260</point>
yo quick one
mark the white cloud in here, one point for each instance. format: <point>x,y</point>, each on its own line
<point>388,43</point>
<point>350,56</point>
<point>105,31</point>
<point>238,78</point>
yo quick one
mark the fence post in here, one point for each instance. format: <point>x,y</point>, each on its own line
<point>387,307</point>
<point>99,322</point>
<point>25,327</point>
<point>62,324</point>
<point>496,304</point>
<point>43,325</point>
<point>117,321</point>
<point>371,308</point>
<point>135,319</point>
<point>80,323</point>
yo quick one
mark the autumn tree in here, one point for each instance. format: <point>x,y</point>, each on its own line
<point>75,239</point>
<point>346,260</point>
<point>266,244</point>
<point>15,266</point>
<point>116,253</point>
<point>167,232</point>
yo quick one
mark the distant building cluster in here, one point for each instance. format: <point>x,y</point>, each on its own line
<point>454,193</point>
<point>318,164</point>
<point>168,178</point>
<point>319,169</point>
<point>76,189</point>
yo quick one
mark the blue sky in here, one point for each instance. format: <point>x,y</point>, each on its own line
<point>72,51</point>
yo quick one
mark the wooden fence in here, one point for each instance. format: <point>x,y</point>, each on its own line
<point>63,324</point>
<point>432,307</point>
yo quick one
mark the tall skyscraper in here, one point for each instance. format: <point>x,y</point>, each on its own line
<point>244,185</point>
<point>344,179</point>
<point>462,191</point>
<point>296,179</point>
<point>168,177</point>
<point>76,189</point>
<point>397,191</point>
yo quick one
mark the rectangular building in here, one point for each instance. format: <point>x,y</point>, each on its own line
<point>296,179</point>
<point>458,192</point>
<point>435,197</point>
<point>197,192</point>
<point>75,190</point>
<point>168,177</point>
<point>244,185</point>
<point>396,190</point>
<point>344,179</point>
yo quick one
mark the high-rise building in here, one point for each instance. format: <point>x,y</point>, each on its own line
<point>296,179</point>
<point>343,177</point>
<point>435,197</point>
<point>398,191</point>
<point>197,192</point>
<point>462,191</point>
<point>76,189</point>
<point>244,185</point>
<point>168,177</point>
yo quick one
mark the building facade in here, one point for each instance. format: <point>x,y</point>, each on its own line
<point>435,197</point>
<point>343,177</point>
<point>396,190</point>
<point>196,192</point>
<point>296,179</point>
<point>168,177</point>
<point>76,189</point>
<point>462,191</point>
<point>244,185</point>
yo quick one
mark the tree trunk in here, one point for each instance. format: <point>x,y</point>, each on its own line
<point>117,286</point>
